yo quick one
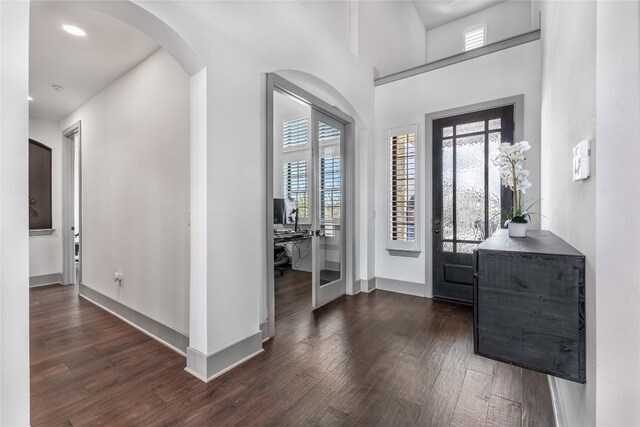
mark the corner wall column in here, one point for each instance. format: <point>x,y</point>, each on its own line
<point>14,235</point>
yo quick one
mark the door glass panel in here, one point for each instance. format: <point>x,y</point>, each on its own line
<point>466,248</point>
<point>330,203</point>
<point>470,187</point>
<point>468,198</point>
<point>495,187</point>
<point>447,189</point>
<point>470,128</point>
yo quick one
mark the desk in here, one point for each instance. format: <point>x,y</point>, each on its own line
<point>298,247</point>
<point>289,237</point>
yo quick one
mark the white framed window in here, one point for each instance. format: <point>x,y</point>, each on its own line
<point>296,164</point>
<point>474,37</point>
<point>402,149</point>
<point>330,187</point>
<point>296,180</point>
<point>296,172</point>
<point>295,133</point>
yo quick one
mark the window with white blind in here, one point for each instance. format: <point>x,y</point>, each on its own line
<point>474,37</point>
<point>295,132</point>
<point>296,185</point>
<point>327,133</point>
<point>330,195</point>
<point>403,233</point>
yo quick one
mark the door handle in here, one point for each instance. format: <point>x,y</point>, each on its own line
<point>436,230</point>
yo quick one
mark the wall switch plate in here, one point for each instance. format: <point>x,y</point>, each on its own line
<point>582,160</point>
<point>117,278</point>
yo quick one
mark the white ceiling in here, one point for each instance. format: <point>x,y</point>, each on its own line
<point>435,13</point>
<point>82,65</point>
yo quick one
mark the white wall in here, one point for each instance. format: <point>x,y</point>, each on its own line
<point>568,116</point>
<point>14,225</point>
<point>45,252</point>
<point>504,20</point>
<point>334,15</point>
<point>391,35</point>
<point>502,74</point>
<point>370,29</point>
<point>238,43</point>
<point>135,190</point>
<point>617,294</point>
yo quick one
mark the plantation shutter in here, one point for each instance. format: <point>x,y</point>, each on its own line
<point>402,191</point>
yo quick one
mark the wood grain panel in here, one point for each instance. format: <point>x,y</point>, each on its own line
<point>503,412</point>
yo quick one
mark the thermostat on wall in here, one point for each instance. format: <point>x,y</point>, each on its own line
<point>582,160</point>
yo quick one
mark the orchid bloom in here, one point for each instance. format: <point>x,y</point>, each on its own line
<point>510,160</point>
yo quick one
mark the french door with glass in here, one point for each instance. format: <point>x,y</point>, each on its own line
<point>328,240</point>
<point>469,202</point>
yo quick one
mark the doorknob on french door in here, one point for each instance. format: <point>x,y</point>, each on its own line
<point>436,230</point>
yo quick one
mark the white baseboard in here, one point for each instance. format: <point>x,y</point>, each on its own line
<point>45,279</point>
<point>175,340</point>
<point>400,286</point>
<point>264,328</point>
<point>209,366</point>
<point>367,286</point>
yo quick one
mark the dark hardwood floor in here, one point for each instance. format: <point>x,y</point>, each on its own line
<point>373,359</point>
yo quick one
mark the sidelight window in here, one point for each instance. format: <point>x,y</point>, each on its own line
<point>402,225</point>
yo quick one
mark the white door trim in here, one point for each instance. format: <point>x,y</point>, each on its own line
<point>68,238</point>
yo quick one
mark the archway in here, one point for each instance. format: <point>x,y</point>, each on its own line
<point>314,92</point>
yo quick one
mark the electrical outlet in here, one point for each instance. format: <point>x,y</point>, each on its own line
<point>117,278</point>
<point>582,160</point>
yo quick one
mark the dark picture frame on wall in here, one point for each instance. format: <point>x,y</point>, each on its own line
<point>39,186</point>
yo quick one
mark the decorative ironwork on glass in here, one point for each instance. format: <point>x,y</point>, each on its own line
<point>448,131</point>
<point>495,124</point>
<point>470,128</point>
<point>466,248</point>
<point>447,189</point>
<point>494,187</point>
<point>470,188</point>
<point>403,188</point>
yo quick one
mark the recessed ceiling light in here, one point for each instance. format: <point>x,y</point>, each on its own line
<point>72,29</point>
<point>56,87</point>
<point>29,98</point>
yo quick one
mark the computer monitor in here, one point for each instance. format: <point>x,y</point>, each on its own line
<point>291,212</point>
<point>278,211</point>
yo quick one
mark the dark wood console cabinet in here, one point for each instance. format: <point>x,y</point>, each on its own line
<point>529,303</point>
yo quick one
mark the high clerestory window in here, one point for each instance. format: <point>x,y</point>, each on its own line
<point>474,37</point>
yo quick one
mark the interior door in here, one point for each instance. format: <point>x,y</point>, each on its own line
<point>328,241</point>
<point>468,199</point>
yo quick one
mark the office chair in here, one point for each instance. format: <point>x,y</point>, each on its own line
<point>280,259</point>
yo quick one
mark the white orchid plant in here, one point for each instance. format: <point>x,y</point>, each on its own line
<point>510,159</point>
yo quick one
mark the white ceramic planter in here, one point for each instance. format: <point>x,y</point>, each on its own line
<point>517,229</point>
